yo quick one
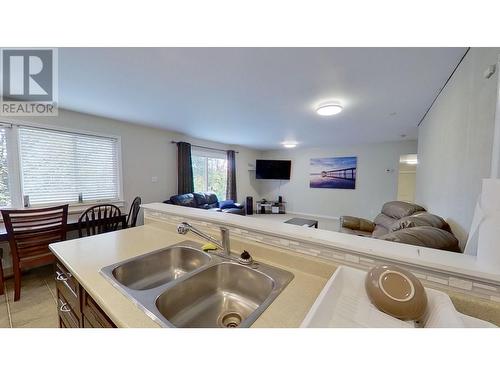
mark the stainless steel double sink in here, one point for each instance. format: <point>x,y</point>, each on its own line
<point>181,286</point>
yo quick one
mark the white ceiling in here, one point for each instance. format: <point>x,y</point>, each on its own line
<point>259,97</point>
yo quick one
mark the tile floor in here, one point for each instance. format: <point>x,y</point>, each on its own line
<point>37,307</point>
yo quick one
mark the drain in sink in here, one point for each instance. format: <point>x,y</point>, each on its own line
<point>230,320</point>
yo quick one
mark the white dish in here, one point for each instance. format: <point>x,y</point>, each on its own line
<point>343,303</point>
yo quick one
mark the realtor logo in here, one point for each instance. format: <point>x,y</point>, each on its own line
<point>28,82</point>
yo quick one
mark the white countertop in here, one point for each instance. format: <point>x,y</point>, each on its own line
<point>440,260</point>
<point>85,257</point>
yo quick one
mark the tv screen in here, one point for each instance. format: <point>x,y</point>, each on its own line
<point>273,169</point>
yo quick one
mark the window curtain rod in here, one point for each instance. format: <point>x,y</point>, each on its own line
<point>207,148</point>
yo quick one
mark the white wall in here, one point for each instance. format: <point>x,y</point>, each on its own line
<point>374,186</point>
<point>455,142</point>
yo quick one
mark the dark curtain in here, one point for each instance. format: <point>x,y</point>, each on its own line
<point>185,182</point>
<point>231,175</point>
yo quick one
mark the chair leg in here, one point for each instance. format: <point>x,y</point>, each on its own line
<point>2,287</point>
<point>17,284</point>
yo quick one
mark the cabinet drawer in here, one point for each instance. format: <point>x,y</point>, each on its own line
<point>68,286</point>
<point>68,317</point>
<point>93,314</point>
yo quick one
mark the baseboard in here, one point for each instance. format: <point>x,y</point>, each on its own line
<point>318,216</point>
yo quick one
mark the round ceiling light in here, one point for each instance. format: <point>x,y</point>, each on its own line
<point>289,144</point>
<point>329,109</point>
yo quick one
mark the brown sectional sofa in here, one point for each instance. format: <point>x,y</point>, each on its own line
<point>406,223</point>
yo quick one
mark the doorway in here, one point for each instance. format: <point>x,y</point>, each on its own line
<point>407,177</point>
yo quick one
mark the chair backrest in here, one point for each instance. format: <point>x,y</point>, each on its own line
<point>31,231</point>
<point>99,219</point>
<point>134,211</point>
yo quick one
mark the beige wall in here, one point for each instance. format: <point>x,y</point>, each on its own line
<point>455,142</point>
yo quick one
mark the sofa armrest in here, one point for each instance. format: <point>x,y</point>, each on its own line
<point>357,223</point>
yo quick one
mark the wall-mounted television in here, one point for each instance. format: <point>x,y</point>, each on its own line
<point>273,169</point>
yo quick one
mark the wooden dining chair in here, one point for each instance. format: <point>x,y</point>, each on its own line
<point>98,219</point>
<point>29,233</point>
<point>134,212</point>
<point>2,288</point>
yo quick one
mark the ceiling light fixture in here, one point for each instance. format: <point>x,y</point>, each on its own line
<point>289,144</point>
<point>329,109</point>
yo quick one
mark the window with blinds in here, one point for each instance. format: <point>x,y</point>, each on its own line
<point>58,166</point>
<point>4,170</point>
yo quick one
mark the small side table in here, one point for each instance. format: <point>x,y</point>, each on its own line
<point>303,222</point>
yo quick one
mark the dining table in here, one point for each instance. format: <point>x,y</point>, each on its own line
<point>70,226</point>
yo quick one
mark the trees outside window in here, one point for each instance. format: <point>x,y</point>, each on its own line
<point>210,173</point>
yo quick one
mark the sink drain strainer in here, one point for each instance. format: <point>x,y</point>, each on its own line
<point>230,320</point>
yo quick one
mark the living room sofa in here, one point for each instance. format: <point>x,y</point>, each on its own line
<point>405,223</point>
<point>206,201</point>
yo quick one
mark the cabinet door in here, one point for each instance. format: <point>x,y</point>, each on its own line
<point>67,286</point>
<point>67,316</point>
<point>93,316</point>
<point>88,324</point>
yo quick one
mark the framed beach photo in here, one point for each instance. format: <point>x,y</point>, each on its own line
<point>333,173</point>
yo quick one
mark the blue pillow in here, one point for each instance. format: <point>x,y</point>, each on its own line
<point>227,204</point>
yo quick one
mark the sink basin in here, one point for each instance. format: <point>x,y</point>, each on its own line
<point>160,267</point>
<point>181,286</point>
<point>224,295</point>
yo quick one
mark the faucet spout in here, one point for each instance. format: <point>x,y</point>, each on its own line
<point>224,245</point>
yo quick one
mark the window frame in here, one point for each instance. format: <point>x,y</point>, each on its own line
<point>213,154</point>
<point>15,170</point>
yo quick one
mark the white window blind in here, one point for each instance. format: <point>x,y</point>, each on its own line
<point>4,169</point>
<point>57,166</point>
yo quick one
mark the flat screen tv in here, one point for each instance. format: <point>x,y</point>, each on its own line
<point>273,169</point>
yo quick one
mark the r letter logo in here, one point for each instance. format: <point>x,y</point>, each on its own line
<point>28,82</point>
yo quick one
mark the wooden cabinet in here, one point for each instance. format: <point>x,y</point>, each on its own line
<point>76,308</point>
<point>93,315</point>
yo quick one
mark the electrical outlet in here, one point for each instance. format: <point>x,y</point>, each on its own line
<point>154,179</point>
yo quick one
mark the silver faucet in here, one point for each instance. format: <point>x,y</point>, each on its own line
<point>224,244</point>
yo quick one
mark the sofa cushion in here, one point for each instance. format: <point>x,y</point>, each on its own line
<point>355,232</point>
<point>384,220</point>
<point>398,209</point>
<point>211,200</point>
<point>186,200</point>
<point>424,236</point>
<point>379,231</point>
<point>356,223</point>
<point>201,199</point>
<point>433,220</point>
<point>229,203</point>
<point>420,219</point>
